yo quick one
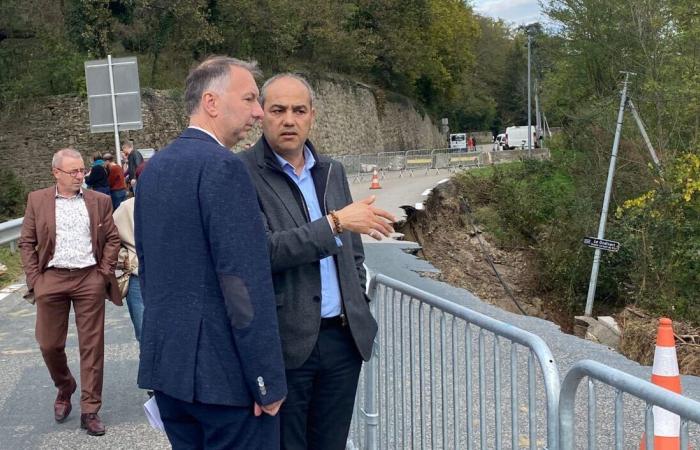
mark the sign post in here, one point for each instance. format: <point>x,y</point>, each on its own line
<point>114,97</point>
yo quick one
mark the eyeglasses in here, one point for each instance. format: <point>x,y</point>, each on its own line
<point>74,173</point>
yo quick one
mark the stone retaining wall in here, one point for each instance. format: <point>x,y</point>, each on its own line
<point>351,118</point>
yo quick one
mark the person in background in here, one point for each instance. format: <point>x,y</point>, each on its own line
<point>98,177</point>
<point>124,220</point>
<point>69,245</point>
<point>133,158</point>
<point>117,184</point>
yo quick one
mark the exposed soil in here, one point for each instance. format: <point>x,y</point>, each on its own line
<point>464,253</point>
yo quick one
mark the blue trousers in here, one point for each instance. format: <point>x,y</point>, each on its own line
<point>135,303</point>
<point>117,198</point>
<point>192,426</point>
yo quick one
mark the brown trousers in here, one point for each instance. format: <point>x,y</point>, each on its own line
<point>54,291</point>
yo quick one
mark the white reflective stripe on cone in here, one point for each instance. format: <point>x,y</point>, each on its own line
<point>666,423</point>
<point>665,362</point>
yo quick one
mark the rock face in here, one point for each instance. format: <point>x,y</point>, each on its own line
<point>351,118</point>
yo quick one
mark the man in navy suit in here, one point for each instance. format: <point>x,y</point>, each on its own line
<point>210,347</point>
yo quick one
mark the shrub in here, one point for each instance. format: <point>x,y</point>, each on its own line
<point>12,195</point>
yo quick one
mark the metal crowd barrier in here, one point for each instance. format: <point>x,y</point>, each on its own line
<point>424,387</point>
<point>359,167</point>
<point>419,160</point>
<point>651,396</point>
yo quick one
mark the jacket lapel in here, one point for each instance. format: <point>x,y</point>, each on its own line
<point>50,211</point>
<point>278,181</point>
<point>280,186</point>
<point>91,206</point>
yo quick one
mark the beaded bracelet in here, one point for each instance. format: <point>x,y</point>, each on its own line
<point>336,222</point>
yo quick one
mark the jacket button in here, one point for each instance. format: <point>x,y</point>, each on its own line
<point>317,298</point>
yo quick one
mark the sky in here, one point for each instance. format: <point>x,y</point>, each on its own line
<point>518,12</point>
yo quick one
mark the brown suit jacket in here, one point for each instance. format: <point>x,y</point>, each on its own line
<point>38,238</point>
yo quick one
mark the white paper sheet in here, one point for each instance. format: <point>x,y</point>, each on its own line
<point>153,414</point>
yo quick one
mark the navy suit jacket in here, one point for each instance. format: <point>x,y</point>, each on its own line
<point>210,329</point>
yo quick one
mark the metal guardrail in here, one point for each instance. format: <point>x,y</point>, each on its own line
<point>9,232</point>
<point>421,386</point>
<point>654,397</point>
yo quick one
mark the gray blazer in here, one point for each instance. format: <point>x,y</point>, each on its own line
<point>296,246</point>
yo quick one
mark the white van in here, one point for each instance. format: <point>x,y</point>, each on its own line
<point>516,137</point>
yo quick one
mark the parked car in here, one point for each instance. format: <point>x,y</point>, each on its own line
<point>500,142</point>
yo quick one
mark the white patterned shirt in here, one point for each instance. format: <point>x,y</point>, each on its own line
<point>73,241</point>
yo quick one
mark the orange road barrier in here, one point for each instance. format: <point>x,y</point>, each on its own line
<point>665,374</point>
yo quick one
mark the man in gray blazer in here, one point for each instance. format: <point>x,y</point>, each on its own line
<point>317,259</point>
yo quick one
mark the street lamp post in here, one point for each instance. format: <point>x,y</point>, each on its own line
<point>529,96</point>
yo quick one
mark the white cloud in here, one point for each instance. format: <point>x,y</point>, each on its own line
<point>518,12</point>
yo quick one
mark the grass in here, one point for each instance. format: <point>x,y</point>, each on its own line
<point>14,266</point>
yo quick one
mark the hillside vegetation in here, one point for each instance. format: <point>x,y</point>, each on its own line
<point>438,52</point>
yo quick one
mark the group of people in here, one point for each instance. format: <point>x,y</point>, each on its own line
<point>250,268</point>
<point>108,177</point>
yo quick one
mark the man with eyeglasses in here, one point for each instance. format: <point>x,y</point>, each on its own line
<point>69,246</point>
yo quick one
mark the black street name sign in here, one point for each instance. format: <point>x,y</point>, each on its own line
<point>603,244</point>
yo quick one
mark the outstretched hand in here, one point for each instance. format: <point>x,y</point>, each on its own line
<point>362,217</point>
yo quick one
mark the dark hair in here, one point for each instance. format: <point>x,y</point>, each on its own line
<point>211,74</point>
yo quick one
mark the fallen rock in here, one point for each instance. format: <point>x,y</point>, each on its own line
<point>603,331</point>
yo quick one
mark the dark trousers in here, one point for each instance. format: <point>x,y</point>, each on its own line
<point>321,394</point>
<point>193,426</point>
<point>54,291</point>
<point>117,198</point>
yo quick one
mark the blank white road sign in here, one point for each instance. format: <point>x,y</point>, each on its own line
<point>126,91</point>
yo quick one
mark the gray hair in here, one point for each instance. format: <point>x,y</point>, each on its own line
<point>212,74</point>
<point>64,153</point>
<point>294,76</point>
<point>128,144</point>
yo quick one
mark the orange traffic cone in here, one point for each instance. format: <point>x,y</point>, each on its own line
<point>375,180</point>
<point>665,374</point>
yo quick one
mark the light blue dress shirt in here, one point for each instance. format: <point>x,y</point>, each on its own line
<point>330,289</point>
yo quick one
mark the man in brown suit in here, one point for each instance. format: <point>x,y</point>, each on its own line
<point>69,247</point>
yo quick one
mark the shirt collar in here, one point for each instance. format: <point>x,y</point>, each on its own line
<point>209,133</point>
<point>79,194</point>
<point>309,160</point>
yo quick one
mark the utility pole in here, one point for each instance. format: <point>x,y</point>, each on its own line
<point>538,119</point>
<point>529,99</point>
<point>606,199</point>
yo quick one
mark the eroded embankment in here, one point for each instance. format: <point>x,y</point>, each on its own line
<point>468,257</point>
